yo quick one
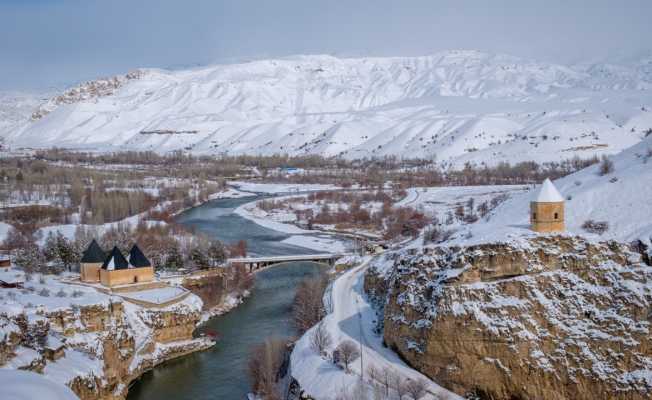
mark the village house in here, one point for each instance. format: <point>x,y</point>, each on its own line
<point>547,212</point>
<point>114,269</point>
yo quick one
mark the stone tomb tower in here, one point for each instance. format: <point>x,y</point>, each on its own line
<point>91,262</point>
<point>547,212</point>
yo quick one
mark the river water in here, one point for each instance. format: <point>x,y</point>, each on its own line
<point>221,372</point>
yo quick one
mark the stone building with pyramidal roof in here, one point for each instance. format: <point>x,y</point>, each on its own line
<point>547,211</point>
<point>112,269</point>
<point>91,262</point>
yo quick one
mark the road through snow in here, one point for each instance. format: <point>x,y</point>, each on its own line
<point>352,318</point>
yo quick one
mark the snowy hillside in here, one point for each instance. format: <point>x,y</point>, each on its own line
<point>453,106</point>
<point>622,198</point>
<point>16,110</point>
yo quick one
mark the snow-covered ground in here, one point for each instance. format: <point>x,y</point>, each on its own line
<point>280,188</point>
<point>156,296</point>
<point>251,212</point>
<point>230,193</point>
<point>26,385</point>
<point>457,106</point>
<point>323,243</point>
<point>351,318</point>
<point>623,198</point>
<point>4,229</point>
<point>437,201</point>
<point>44,294</point>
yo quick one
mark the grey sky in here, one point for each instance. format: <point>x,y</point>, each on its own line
<point>55,43</point>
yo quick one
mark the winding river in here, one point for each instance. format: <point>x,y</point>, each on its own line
<point>221,372</point>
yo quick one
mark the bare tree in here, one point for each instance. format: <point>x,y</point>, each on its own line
<point>385,380</point>
<point>308,307</point>
<point>320,339</point>
<point>357,392</point>
<point>398,384</point>
<point>416,388</point>
<point>264,364</point>
<point>348,352</point>
<point>379,391</point>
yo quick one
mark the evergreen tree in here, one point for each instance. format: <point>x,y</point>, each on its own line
<point>50,250</point>
<point>198,258</point>
<point>30,259</point>
<point>173,259</point>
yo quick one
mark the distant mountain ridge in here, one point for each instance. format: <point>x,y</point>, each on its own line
<point>454,106</point>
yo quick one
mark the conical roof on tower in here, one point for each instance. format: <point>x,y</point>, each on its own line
<point>549,193</point>
<point>93,254</point>
<point>137,259</point>
<point>115,260</point>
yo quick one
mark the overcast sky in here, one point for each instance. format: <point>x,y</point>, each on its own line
<point>51,44</point>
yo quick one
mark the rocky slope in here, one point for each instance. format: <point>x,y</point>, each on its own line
<point>456,106</point>
<point>94,343</point>
<point>552,317</point>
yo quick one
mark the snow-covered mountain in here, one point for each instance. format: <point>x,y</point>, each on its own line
<point>454,106</point>
<point>16,110</point>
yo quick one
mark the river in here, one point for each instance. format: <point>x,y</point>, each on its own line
<point>221,372</point>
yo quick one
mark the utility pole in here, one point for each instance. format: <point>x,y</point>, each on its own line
<point>360,341</point>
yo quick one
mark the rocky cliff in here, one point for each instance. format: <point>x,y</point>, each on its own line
<point>98,347</point>
<point>549,318</point>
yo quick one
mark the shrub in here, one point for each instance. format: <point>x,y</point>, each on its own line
<point>77,293</point>
<point>598,227</point>
<point>61,293</point>
<point>436,234</point>
<point>45,292</point>
<point>606,166</point>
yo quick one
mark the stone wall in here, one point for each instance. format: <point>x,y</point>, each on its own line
<point>124,339</point>
<point>126,276</point>
<point>90,272</point>
<point>545,217</point>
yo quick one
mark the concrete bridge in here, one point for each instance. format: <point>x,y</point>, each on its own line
<point>255,263</point>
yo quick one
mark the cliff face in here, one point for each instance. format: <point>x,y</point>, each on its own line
<point>553,318</point>
<point>97,349</point>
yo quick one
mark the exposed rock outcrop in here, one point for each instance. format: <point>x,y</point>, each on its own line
<point>86,91</point>
<point>98,349</point>
<point>553,318</point>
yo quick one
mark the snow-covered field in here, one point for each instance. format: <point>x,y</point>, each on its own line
<point>438,201</point>
<point>456,106</point>
<point>622,198</point>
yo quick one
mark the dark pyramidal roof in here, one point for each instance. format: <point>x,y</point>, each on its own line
<point>118,260</point>
<point>93,254</point>
<point>137,258</point>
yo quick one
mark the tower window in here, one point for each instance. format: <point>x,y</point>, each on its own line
<point>534,215</point>
<point>556,216</point>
